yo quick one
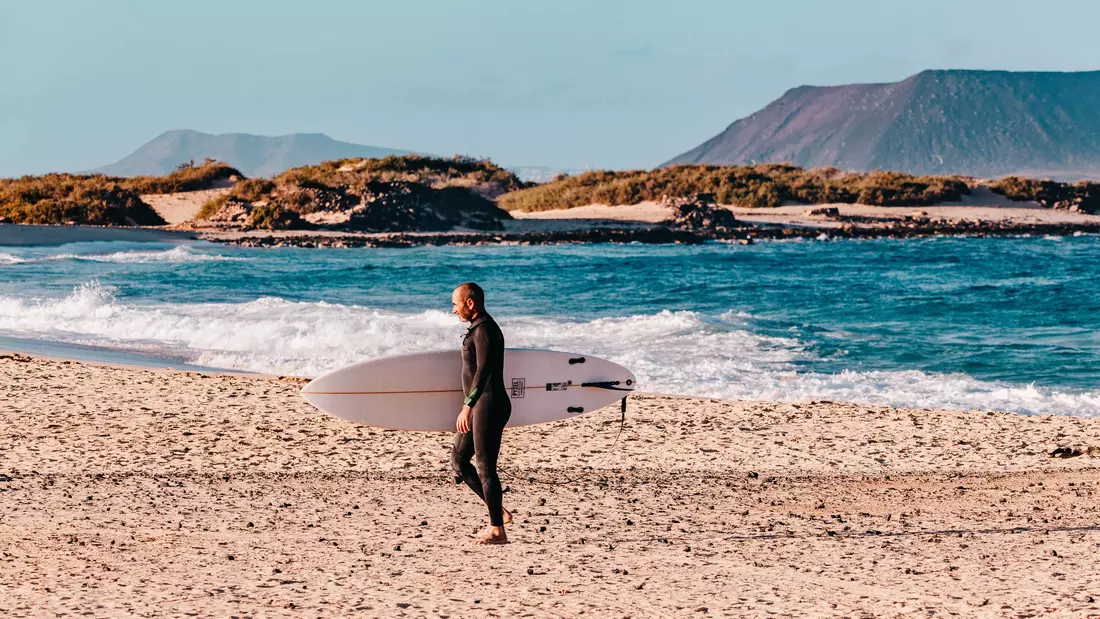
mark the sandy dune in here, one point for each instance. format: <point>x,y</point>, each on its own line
<point>151,493</point>
<point>177,208</point>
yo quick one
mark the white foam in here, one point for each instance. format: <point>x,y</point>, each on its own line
<point>671,352</point>
<point>178,254</point>
<point>11,259</point>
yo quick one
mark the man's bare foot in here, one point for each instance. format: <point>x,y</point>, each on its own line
<point>507,516</point>
<point>496,536</point>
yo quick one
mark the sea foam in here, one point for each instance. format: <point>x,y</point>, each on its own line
<point>177,254</point>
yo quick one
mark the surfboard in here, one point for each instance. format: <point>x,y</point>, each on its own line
<point>423,391</point>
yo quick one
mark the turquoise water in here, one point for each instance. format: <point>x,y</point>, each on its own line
<point>994,323</point>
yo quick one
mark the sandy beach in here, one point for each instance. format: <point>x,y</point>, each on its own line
<point>137,492</point>
<point>982,205</point>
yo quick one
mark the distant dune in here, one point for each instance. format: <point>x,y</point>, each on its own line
<point>973,123</point>
<point>254,155</point>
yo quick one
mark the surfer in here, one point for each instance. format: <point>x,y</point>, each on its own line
<point>486,407</point>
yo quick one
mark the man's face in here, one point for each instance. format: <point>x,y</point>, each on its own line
<point>463,308</point>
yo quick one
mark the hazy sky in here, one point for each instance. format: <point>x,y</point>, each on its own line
<point>598,83</point>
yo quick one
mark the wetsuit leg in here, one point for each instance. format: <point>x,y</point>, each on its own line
<point>487,425</point>
<point>460,461</point>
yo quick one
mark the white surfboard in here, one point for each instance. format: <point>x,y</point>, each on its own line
<point>424,391</point>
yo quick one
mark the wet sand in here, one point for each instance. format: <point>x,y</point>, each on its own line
<point>133,492</point>
<point>17,235</point>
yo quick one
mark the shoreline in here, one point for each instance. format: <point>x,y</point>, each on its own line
<point>54,352</point>
<point>640,223</point>
<point>175,492</point>
<point>646,235</point>
<point>25,235</point>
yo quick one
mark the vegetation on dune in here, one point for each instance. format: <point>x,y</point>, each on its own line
<point>391,193</point>
<point>1025,189</point>
<point>72,199</point>
<point>186,177</point>
<point>761,185</point>
<point>95,199</point>
<point>211,207</point>
<point>1083,196</point>
<point>480,175</point>
<point>274,217</point>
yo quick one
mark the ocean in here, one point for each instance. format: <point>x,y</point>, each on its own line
<point>961,323</point>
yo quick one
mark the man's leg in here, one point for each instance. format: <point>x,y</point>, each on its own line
<point>487,435</point>
<point>460,461</point>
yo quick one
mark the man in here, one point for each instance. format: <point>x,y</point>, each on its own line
<point>486,407</point>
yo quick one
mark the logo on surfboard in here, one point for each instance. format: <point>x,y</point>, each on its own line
<point>519,387</point>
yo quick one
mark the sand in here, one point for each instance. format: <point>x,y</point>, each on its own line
<point>15,235</point>
<point>133,492</point>
<point>181,207</point>
<point>981,205</point>
<point>648,211</point>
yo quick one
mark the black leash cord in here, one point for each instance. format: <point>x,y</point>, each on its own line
<point>622,423</point>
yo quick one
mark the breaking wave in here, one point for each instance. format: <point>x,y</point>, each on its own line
<point>681,352</point>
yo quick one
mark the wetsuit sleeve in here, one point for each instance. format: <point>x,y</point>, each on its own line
<point>483,349</point>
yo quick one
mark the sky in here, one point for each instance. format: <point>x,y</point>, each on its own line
<point>569,84</point>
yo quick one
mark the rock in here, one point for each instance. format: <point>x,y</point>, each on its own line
<point>397,206</point>
<point>4,220</point>
<point>232,211</point>
<point>825,211</point>
<point>1073,452</point>
<point>698,214</point>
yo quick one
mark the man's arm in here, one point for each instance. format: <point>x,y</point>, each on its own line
<point>483,350</point>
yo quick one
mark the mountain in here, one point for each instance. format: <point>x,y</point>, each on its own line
<point>254,155</point>
<point>974,123</point>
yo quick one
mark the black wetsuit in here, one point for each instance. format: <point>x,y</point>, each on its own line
<point>483,386</point>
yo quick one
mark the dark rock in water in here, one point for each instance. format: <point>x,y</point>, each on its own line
<point>698,213</point>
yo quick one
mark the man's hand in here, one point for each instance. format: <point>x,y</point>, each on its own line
<point>463,423</point>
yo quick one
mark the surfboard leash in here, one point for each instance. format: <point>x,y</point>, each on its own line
<point>622,424</point>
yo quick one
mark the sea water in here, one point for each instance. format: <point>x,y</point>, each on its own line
<point>963,323</point>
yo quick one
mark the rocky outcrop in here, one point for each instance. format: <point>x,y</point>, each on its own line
<point>824,211</point>
<point>411,207</point>
<point>698,213</point>
<point>232,213</point>
<point>375,206</point>
<point>910,228</point>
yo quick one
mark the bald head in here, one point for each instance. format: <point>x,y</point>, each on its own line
<point>467,301</point>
